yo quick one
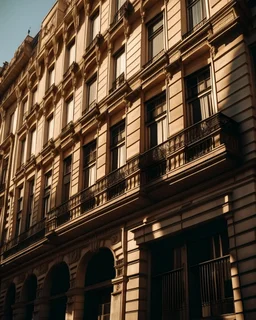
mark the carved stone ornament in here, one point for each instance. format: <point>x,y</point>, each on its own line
<point>94,244</point>
<point>126,28</point>
<point>55,45</point>
<point>74,255</point>
<point>18,94</point>
<point>42,268</point>
<point>21,278</point>
<point>115,238</point>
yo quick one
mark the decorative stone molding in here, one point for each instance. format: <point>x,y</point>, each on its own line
<point>94,244</point>
<point>74,256</point>
<point>42,268</point>
<point>76,19</point>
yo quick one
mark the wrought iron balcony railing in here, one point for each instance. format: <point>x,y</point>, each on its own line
<point>196,27</point>
<point>118,82</point>
<point>33,234</point>
<point>2,187</point>
<point>215,294</point>
<point>190,144</point>
<point>120,13</point>
<point>114,184</point>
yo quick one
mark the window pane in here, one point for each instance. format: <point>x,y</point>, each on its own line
<point>50,128</point>
<point>23,155</point>
<point>120,3</point>
<point>34,97</point>
<point>51,77</point>
<point>121,156</point>
<point>33,142</point>
<point>92,92</point>
<point>120,64</point>
<point>70,111</point>
<point>71,54</point>
<point>196,13</point>
<point>95,26</point>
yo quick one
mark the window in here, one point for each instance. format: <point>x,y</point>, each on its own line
<point>20,192</point>
<point>200,257</point>
<point>120,3</point>
<point>51,76</point>
<point>156,119</point>
<point>49,128</point>
<point>4,171</point>
<point>196,13</point>
<point>71,53</point>
<point>199,98</point>
<point>66,178</point>
<point>89,164</point>
<point>69,110</point>
<point>22,151</point>
<point>155,37</point>
<point>95,25</point>
<point>33,142</point>
<point>118,145</point>
<point>34,97</point>
<point>91,87</point>
<point>31,190</point>
<point>47,193</point>
<point>119,69</point>
<point>11,123</point>
<point>25,110</point>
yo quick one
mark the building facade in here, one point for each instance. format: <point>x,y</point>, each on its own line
<point>127,163</point>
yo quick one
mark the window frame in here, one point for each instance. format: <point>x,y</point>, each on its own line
<point>89,161</point>
<point>152,120</point>
<point>47,193</point>
<point>117,148</point>
<point>152,36</point>
<point>196,98</point>
<point>66,181</point>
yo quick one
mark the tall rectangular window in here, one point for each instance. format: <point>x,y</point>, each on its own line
<point>71,53</point>
<point>11,123</point>
<point>196,13</point>
<point>66,177</point>
<point>91,87</point>
<point>33,142</point>
<point>199,96</point>
<point>34,97</point>
<point>47,193</point>
<point>20,195</point>
<point>89,164</point>
<point>120,3</point>
<point>156,119</point>
<point>119,69</point>
<point>31,191</point>
<point>69,110</point>
<point>155,37</point>
<point>49,128</point>
<point>117,138</point>
<point>51,75</point>
<point>120,64</point>
<point>4,171</point>
<point>95,25</point>
<point>22,151</point>
<point>24,109</point>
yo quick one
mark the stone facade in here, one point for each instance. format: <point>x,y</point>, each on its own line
<point>127,163</point>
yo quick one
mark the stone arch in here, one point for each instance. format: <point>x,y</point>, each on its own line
<point>99,270</point>
<point>56,285</point>
<point>9,301</point>
<point>28,295</point>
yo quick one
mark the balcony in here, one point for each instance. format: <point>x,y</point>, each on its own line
<point>25,239</point>
<point>196,27</point>
<point>117,183</point>
<point>120,13</point>
<point>117,83</point>
<point>209,287</point>
<point>208,140</point>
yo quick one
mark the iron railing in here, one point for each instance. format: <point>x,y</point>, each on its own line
<point>214,280</point>
<point>153,59</point>
<point>172,285</point>
<point>189,144</point>
<point>118,82</point>
<point>196,27</point>
<point>120,13</point>
<point>117,182</point>
<point>23,240</point>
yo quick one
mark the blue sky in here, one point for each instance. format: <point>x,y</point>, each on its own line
<point>16,17</point>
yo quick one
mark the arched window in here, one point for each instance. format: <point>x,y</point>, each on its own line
<point>29,295</point>
<point>59,279</point>
<point>9,301</point>
<point>98,286</point>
